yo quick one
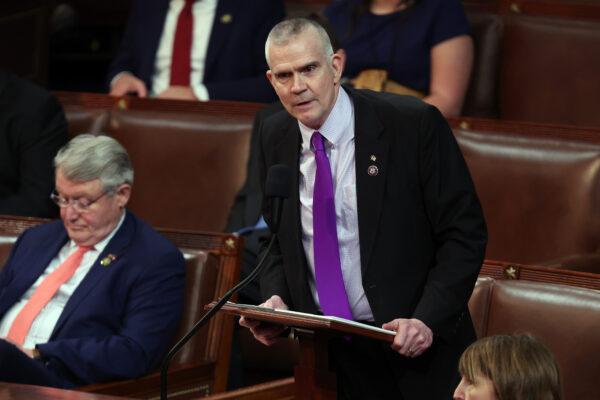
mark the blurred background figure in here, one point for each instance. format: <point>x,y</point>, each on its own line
<point>32,129</point>
<point>508,367</point>
<point>416,47</point>
<point>196,50</point>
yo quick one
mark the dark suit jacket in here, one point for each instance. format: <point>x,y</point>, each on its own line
<point>421,227</point>
<point>235,60</point>
<point>121,317</point>
<point>32,130</point>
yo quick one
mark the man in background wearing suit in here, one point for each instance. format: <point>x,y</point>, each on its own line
<point>32,129</point>
<point>196,49</point>
<point>97,296</point>
<point>383,224</point>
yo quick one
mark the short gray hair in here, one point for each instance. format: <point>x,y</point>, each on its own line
<point>285,31</point>
<point>88,157</point>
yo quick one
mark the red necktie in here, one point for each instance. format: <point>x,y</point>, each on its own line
<point>42,295</point>
<point>182,47</point>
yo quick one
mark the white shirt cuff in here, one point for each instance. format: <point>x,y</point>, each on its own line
<point>200,92</point>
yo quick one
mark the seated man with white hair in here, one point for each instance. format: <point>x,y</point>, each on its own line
<point>97,296</point>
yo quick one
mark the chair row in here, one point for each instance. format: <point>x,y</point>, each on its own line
<point>539,184</point>
<point>212,267</point>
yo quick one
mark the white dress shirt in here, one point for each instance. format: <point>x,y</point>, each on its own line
<point>43,325</point>
<point>338,130</point>
<point>203,12</point>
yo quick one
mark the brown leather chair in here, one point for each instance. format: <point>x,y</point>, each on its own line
<point>189,157</point>
<point>212,267</point>
<point>481,99</point>
<point>565,318</point>
<point>539,190</point>
<point>549,71</point>
<point>189,167</point>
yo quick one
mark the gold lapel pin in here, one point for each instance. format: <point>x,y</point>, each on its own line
<point>226,18</point>
<point>373,158</point>
<point>105,262</point>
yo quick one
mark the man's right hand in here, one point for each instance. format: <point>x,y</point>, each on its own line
<point>265,332</point>
<point>127,83</point>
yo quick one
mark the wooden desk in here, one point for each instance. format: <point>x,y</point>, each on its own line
<point>13,391</point>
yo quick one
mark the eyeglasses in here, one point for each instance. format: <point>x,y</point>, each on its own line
<point>79,205</point>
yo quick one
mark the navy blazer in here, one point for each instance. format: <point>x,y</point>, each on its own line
<point>235,60</point>
<point>421,227</point>
<point>120,319</point>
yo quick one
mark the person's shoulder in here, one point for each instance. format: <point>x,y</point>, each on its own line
<point>45,230</point>
<point>336,6</point>
<point>392,102</point>
<point>275,117</point>
<point>23,91</point>
<point>26,98</point>
<point>147,238</point>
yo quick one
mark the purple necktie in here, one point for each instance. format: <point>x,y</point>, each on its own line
<point>328,270</point>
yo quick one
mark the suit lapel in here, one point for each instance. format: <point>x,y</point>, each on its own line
<point>35,265</point>
<point>371,154</point>
<point>225,16</point>
<point>114,250</point>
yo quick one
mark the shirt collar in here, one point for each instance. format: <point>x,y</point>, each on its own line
<point>336,128</point>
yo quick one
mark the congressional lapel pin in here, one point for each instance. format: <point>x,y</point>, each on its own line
<point>226,18</point>
<point>373,170</point>
<point>105,262</point>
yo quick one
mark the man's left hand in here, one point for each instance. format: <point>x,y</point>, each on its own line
<point>413,337</point>
<point>178,93</point>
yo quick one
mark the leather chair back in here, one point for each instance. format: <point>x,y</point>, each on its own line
<point>189,167</point>
<point>540,195</point>
<point>481,99</point>
<point>565,318</point>
<point>549,71</point>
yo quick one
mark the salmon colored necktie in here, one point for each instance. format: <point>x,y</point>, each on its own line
<point>182,47</point>
<point>42,295</point>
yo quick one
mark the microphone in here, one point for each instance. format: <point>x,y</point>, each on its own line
<point>277,188</point>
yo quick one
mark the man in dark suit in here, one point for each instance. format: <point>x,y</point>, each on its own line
<point>227,46</point>
<point>32,129</point>
<point>408,237</point>
<point>97,296</point>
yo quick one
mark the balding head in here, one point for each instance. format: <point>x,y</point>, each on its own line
<point>286,31</point>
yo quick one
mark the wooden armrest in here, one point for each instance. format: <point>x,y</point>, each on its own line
<point>281,389</point>
<point>183,380</point>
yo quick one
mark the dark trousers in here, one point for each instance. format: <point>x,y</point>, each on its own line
<point>17,367</point>
<point>370,369</point>
<point>363,369</point>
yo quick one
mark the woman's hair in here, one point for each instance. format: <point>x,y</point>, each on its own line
<point>519,366</point>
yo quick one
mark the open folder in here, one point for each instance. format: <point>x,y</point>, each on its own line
<point>301,320</point>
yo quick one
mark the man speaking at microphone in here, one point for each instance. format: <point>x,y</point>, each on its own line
<point>383,225</point>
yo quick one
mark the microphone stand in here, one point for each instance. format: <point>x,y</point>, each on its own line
<point>206,317</point>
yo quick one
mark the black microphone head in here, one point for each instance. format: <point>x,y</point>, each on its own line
<point>278,181</point>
